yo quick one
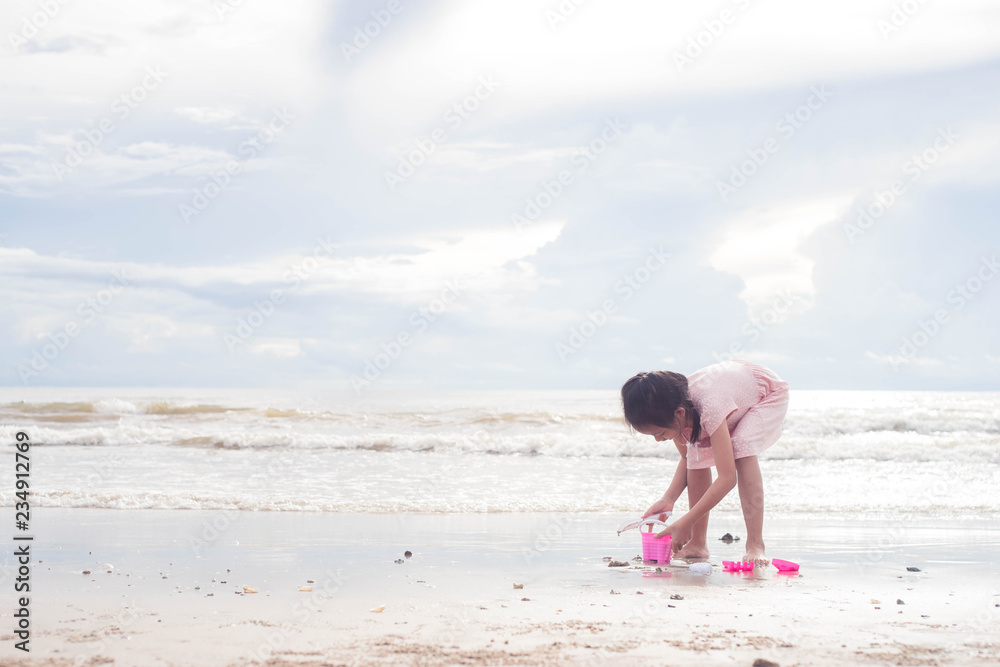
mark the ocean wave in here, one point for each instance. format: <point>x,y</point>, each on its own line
<point>445,504</point>
<point>904,426</point>
<point>954,416</point>
<point>878,446</point>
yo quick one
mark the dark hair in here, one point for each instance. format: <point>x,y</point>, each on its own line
<point>650,399</point>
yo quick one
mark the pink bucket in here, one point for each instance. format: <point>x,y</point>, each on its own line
<point>653,549</point>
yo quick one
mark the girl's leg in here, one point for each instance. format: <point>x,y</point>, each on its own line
<point>751,486</point>
<point>698,481</point>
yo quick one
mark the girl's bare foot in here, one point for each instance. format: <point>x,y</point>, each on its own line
<point>693,552</point>
<point>755,553</point>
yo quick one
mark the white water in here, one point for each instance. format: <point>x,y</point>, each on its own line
<point>877,453</point>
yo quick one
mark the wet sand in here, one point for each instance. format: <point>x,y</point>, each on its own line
<point>175,591</point>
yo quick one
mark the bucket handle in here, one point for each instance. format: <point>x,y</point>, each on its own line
<point>650,522</point>
<point>638,523</point>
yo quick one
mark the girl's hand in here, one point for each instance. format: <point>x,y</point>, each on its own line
<point>679,530</point>
<point>661,505</point>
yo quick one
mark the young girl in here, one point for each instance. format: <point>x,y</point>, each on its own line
<point>723,415</point>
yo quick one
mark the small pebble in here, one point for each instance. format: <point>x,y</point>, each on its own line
<point>518,587</point>
<point>525,599</point>
<point>676,596</point>
<point>86,571</point>
<point>399,561</point>
<point>898,601</point>
<point>761,662</point>
<point>408,554</point>
<point>614,592</point>
<point>606,559</point>
<point>617,563</point>
<point>913,569</point>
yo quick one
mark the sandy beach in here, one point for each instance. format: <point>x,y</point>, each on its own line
<point>166,587</point>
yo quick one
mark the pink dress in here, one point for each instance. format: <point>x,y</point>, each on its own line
<point>749,397</point>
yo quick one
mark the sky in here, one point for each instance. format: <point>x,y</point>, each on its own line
<point>370,196</point>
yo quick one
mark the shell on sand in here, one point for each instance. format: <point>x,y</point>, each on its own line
<point>250,589</point>
<point>305,589</point>
<point>378,610</point>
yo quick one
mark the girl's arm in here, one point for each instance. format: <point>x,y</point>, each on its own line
<point>676,488</point>
<point>725,465</point>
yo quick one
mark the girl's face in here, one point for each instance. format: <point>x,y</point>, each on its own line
<point>662,433</point>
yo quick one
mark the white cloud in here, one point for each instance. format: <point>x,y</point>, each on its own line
<point>449,49</point>
<point>283,348</point>
<point>49,167</point>
<point>149,332</point>
<point>212,115</point>
<point>761,246</point>
<point>482,261</point>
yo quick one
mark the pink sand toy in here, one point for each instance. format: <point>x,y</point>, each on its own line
<point>737,566</point>
<point>785,565</point>
<point>653,548</point>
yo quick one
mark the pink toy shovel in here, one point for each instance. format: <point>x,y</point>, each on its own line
<point>785,565</point>
<point>737,566</point>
